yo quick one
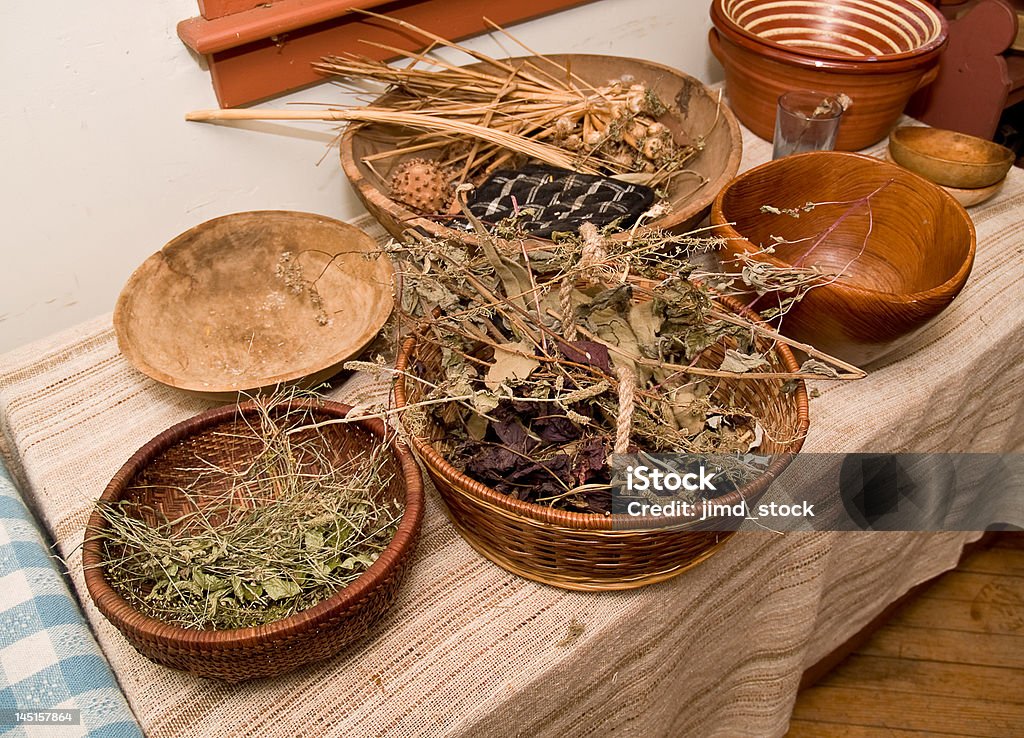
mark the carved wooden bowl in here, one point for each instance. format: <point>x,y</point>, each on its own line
<point>900,262</point>
<point>950,158</point>
<point>876,54</point>
<point>214,312</point>
<point>976,195</point>
<point>694,114</point>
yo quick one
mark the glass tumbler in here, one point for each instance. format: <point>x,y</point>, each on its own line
<point>806,121</point>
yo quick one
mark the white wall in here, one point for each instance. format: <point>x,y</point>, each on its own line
<point>100,169</point>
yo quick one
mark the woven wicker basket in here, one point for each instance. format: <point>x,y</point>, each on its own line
<point>311,635</point>
<point>586,551</point>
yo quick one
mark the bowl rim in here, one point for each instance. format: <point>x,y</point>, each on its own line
<point>958,278</point>
<point>414,220</point>
<point>124,616</point>
<point>122,317</point>
<point>820,59</point>
<point>903,139</point>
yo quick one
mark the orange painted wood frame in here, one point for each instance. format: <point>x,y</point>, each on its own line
<point>219,8</point>
<point>268,50</point>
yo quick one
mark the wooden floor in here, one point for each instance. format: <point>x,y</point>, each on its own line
<point>948,663</point>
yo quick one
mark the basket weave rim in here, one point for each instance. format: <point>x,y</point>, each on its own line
<point>597,521</point>
<point>125,617</point>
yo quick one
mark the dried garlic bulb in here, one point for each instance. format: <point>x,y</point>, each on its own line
<point>421,184</point>
<point>654,148</point>
<point>564,126</point>
<point>636,99</point>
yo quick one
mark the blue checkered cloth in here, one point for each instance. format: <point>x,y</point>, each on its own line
<point>48,657</point>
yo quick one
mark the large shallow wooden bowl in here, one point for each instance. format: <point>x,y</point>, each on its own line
<point>950,158</point>
<point>694,114</point>
<point>767,49</point>
<point>154,479</point>
<point>901,263</point>
<point>209,313</point>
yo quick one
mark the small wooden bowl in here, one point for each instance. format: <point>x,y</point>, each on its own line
<point>901,264</point>
<point>208,313</point>
<point>972,197</point>
<point>950,158</point>
<point>154,477</point>
<point>694,112</point>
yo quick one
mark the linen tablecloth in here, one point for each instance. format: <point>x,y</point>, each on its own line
<point>470,650</point>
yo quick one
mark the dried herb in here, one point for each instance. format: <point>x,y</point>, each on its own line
<point>542,356</point>
<point>475,122</point>
<point>289,531</point>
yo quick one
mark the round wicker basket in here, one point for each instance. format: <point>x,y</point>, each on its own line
<point>311,635</point>
<point>587,551</point>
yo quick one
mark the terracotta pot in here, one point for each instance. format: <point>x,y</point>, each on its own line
<point>840,32</point>
<point>900,264</point>
<point>756,74</point>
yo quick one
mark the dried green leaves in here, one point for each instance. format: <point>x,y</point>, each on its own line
<point>255,544</point>
<point>525,381</point>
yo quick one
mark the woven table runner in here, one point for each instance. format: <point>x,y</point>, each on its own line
<point>470,650</point>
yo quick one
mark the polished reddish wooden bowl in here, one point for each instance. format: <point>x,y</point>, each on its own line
<point>902,247</point>
<point>868,51</point>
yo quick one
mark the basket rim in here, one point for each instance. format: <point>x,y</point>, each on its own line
<point>125,617</point>
<point>598,521</point>
<point>418,221</point>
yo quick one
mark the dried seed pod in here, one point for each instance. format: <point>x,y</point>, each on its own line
<point>573,142</point>
<point>623,156</point>
<point>657,129</point>
<point>617,110</point>
<point>593,138</point>
<point>421,184</point>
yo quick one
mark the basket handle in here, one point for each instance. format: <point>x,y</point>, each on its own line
<point>624,422</point>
